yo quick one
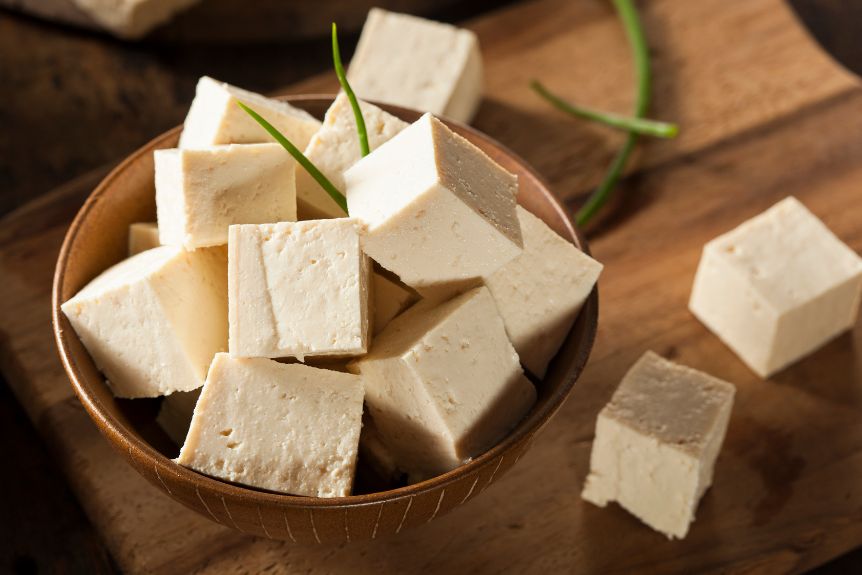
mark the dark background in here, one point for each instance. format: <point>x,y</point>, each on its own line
<point>73,101</point>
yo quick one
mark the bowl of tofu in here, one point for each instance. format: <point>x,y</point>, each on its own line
<point>296,373</point>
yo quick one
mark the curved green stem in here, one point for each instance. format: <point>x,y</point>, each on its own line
<point>631,23</point>
<point>345,85</point>
<point>333,192</point>
<point>640,126</point>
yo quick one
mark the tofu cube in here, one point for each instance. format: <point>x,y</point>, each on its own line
<point>215,118</point>
<point>777,287</point>
<point>153,322</point>
<point>298,289</point>
<point>374,454</point>
<point>417,63</point>
<point>143,236</point>
<point>288,428</point>
<point>540,292</point>
<point>200,192</point>
<point>175,414</point>
<point>443,384</point>
<point>657,441</point>
<point>390,299</point>
<point>335,148</point>
<point>437,208</point>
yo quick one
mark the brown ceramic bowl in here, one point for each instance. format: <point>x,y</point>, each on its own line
<point>97,239</point>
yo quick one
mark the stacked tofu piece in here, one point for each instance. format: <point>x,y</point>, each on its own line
<point>427,292</point>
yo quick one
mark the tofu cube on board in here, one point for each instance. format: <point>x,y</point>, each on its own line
<point>301,436</point>
<point>175,414</point>
<point>200,192</point>
<point>777,287</point>
<point>540,292</point>
<point>298,289</point>
<point>143,236</point>
<point>417,63</point>
<point>443,384</point>
<point>153,322</point>
<point>335,148</point>
<point>215,118</point>
<point>657,441</point>
<point>390,299</point>
<point>437,208</point>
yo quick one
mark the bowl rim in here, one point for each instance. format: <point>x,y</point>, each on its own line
<point>124,440</point>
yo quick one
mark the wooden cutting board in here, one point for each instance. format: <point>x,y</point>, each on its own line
<point>764,114</point>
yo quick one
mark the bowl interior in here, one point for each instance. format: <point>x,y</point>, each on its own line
<point>97,239</point>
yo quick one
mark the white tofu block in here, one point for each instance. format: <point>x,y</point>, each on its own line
<point>777,287</point>
<point>657,441</point>
<point>390,299</point>
<point>298,289</point>
<point>416,63</point>
<point>374,454</point>
<point>143,236</point>
<point>443,384</point>
<point>215,118</point>
<point>200,192</point>
<point>130,19</point>
<point>175,414</point>
<point>540,292</point>
<point>334,148</point>
<point>153,322</point>
<point>288,428</point>
<point>437,208</point>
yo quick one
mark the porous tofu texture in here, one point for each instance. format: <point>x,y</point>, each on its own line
<point>298,289</point>
<point>143,236</point>
<point>443,384</point>
<point>153,322</point>
<point>287,428</point>
<point>777,287</point>
<point>418,63</point>
<point>437,208</point>
<point>540,292</point>
<point>200,192</point>
<point>215,118</point>
<point>335,148</point>
<point>657,441</point>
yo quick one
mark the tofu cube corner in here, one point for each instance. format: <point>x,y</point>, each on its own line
<point>215,118</point>
<point>418,63</point>
<point>438,209</point>
<point>657,441</point>
<point>302,436</point>
<point>444,384</point>
<point>298,289</point>
<point>153,322</point>
<point>777,287</point>
<point>202,191</point>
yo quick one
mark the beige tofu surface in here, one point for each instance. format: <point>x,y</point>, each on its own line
<point>335,148</point>
<point>153,322</point>
<point>540,292</point>
<point>417,63</point>
<point>298,289</point>
<point>214,118</point>
<point>201,192</point>
<point>437,208</point>
<point>657,441</point>
<point>443,384</point>
<point>143,236</point>
<point>287,428</point>
<point>390,299</point>
<point>777,287</point>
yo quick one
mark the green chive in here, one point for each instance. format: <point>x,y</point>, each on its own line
<point>333,192</point>
<point>625,123</point>
<point>634,32</point>
<point>345,85</point>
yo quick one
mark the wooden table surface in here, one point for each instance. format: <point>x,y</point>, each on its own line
<point>82,100</point>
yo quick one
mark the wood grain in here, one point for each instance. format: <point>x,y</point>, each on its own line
<point>764,114</point>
